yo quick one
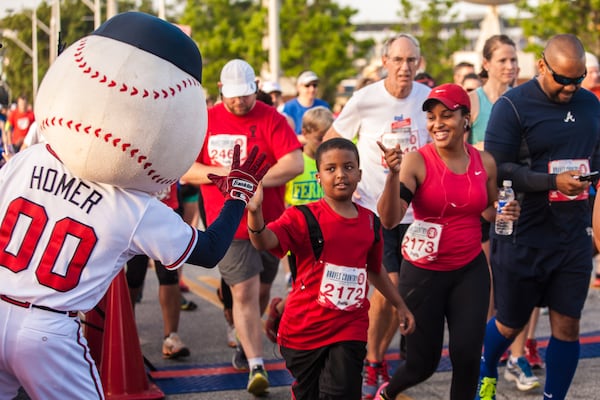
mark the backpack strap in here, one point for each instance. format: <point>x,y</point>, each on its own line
<point>316,235</point>
<point>376,227</point>
<point>314,231</point>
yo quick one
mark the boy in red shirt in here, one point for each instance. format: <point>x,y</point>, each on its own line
<point>323,330</point>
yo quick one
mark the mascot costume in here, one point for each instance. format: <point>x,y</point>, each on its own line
<point>124,114</point>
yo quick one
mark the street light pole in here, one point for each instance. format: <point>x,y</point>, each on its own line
<point>12,35</point>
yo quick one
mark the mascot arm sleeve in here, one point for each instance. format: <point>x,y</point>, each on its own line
<point>213,243</point>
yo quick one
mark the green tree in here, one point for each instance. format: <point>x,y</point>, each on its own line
<point>223,30</point>
<point>438,36</point>
<point>551,17</point>
<point>76,21</point>
<point>319,37</point>
<point>315,35</point>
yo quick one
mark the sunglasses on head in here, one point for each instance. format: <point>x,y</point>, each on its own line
<point>313,84</point>
<point>561,79</point>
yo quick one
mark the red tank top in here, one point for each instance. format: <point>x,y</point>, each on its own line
<point>455,201</point>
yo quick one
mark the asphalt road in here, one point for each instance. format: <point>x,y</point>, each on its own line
<point>204,332</point>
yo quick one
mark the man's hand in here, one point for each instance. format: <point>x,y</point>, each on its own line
<point>242,181</point>
<point>567,183</point>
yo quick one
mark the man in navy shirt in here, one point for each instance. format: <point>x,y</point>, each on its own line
<point>544,136</point>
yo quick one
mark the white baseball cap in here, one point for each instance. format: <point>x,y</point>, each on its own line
<point>307,77</point>
<point>270,87</point>
<point>590,60</point>
<point>237,79</point>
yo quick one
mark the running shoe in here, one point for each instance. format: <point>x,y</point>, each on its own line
<point>231,337</point>
<point>486,390</point>
<point>187,305</point>
<point>504,357</point>
<point>533,355</point>
<point>375,375</point>
<point>183,287</point>
<point>239,360</point>
<point>273,319</point>
<point>173,347</point>
<point>520,373</point>
<point>258,381</point>
<point>380,393</point>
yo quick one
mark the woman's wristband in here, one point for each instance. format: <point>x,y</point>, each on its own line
<point>258,232</point>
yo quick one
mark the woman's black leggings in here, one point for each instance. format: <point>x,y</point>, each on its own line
<point>459,297</point>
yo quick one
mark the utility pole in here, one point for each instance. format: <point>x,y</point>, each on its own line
<point>35,24</point>
<point>95,7</point>
<point>54,30</point>
<point>34,53</point>
<point>274,40</point>
<point>161,9</point>
<point>111,8</point>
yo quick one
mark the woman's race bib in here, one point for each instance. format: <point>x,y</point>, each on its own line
<point>342,288</point>
<point>421,241</point>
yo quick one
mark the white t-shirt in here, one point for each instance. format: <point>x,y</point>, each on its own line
<point>34,136</point>
<point>63,239</point>
<point>370,113</point>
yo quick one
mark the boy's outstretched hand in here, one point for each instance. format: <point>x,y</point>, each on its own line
<point>242,181</point>
<point>256,200</point>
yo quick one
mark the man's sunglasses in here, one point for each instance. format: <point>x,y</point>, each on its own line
<point>561,79</point>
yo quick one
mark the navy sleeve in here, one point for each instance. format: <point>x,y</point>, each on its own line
<point>505,140</point>
<point>213,243</point>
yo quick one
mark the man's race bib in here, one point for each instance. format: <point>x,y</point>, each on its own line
<point>342,288</point>
<point>558,166</point>
<point>422,241</point>
<point>220,149</point>
<point>401,133</point>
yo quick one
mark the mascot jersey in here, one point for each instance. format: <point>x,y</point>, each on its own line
<point>264,127</point>
<point>60,220</point>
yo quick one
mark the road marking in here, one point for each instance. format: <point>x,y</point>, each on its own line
<point>205,287</point>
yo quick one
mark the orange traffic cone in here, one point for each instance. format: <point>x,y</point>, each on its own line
<point>94,330</point>
<point>122,365</point>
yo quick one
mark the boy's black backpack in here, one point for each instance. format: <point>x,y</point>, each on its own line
<point>316,236</point>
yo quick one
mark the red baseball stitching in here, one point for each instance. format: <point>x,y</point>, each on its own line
<point>155,94</point>
<point>109,138</point>
<point>124,88</point>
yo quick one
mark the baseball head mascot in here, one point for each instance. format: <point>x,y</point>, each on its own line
<point>124,115</point>
<point>125,105</point>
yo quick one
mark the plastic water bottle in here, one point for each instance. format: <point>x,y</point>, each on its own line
<point>504,226</point>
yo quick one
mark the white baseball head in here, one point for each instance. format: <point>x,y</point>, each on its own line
<point>125,105</point>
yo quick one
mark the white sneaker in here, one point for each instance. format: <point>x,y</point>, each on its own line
<point>173,347</point>
<point>520,373</point>
<point>231,338</point>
